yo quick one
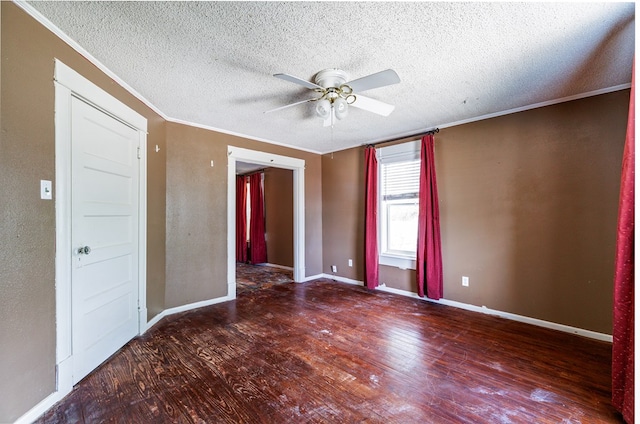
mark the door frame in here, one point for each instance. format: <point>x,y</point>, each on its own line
<point>67,84</point>
<point>269,160</point>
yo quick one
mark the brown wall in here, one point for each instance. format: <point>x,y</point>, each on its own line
<point>186,204</point>
<point>343,212</point>
<point>528,207</point>
<point>27,232</point>
<point>278,195</point>
<point>196,216</point>
<point>197,211</point>
<point>156,217</point>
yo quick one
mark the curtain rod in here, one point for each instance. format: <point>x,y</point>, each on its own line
<point>420,134</point>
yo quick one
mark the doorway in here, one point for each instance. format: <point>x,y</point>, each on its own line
<point>264,249</point>
<point>236,154</point>
<point>100,196</point>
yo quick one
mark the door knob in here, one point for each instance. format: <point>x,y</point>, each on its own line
<point>85,250</point>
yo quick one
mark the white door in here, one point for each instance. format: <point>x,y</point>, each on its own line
<point>104,236</point>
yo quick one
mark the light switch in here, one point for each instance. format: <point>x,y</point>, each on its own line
<point>45,190</point>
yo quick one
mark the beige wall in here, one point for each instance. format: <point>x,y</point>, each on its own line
<point>278,195</point>
<point>528,208</point>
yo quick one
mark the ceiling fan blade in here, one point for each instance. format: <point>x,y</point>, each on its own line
<point>298,81</point>
<point>379,79</point>
<point>372,105</point>
<point>289,105</point>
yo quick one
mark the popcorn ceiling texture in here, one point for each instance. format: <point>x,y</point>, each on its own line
<point>211,63</point>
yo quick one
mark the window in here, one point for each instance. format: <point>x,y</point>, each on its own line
<point>399,182</point>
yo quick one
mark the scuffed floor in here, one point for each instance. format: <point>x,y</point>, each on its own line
<point>254,277</point>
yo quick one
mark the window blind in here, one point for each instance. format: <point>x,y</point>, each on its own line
<point>400,180</point>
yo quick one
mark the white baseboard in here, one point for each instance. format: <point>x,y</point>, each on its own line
<point>64,386</point>
<point>288,268</point>
<point>42,407</point>
<point>484,310</point>
<point>185,308</point>
<point>342,279</point>
<point>312,277</point>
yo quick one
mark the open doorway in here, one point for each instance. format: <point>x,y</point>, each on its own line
<point>264,227</point>
<point>265,160</point>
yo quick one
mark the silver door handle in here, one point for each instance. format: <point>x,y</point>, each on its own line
<point>85,250</point>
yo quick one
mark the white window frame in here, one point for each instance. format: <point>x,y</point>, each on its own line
<point>389,154</point>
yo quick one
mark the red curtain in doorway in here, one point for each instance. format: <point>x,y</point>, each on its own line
<point>241,219</point>
<point>429,254</point>
<point>371,219</point>
<point>622,392</point>
<point>258,245</point>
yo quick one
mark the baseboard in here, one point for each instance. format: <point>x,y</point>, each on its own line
<point>342,279</point>
<point>288,268</point>
<point>42,407</point>
<point>185,308</point>
<point>484,310</point>
<point>313,277</point>
<point>64,385</point>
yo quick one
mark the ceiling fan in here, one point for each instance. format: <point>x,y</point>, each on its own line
<point>335,94</point>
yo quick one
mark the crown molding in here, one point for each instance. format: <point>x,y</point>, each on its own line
<point>30,10</point>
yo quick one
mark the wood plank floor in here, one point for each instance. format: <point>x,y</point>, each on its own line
<point>329,352</point>
<point>256,277</point>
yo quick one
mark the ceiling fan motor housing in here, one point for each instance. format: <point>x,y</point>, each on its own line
<point>328,78</point>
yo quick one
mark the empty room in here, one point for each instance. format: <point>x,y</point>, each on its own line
<point>305,212</point>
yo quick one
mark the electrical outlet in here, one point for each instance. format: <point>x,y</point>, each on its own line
<point>334,268</point>
<point>465,281</point>
<point>350,262</point>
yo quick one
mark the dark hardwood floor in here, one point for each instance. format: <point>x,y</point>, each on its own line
<point>329,352</point>
<point>256,277</point>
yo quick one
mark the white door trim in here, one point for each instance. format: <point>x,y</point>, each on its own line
<point>68,84</point>
<point>277,161</point>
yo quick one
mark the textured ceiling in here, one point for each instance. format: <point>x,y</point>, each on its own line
<point>211,63</point>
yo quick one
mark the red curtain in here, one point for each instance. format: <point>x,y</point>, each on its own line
<point>623,290</point>
<point>258,245</point>
<point>429,254</point>
<point>371,218</point>
<point>241,219</point>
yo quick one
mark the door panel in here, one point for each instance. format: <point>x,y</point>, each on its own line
<point>104,214</point>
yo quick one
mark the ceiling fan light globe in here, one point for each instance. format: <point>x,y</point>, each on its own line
<point>323,108</point>
<point>341,108</point>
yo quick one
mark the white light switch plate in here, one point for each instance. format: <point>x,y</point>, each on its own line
<point>46,192</point>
